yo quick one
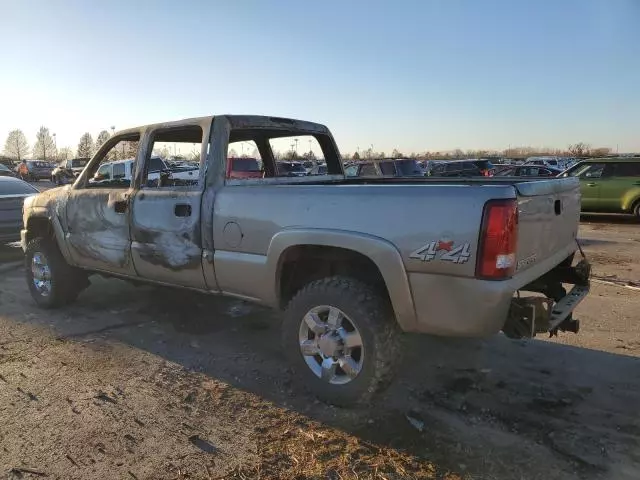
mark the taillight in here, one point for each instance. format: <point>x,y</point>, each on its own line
<point>498,240</point>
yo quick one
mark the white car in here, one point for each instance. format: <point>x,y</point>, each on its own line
<point>123,171</point>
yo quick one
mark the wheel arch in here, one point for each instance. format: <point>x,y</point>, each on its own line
<point>43,225</point>
<point>377,260</point>
<point>630,199</point>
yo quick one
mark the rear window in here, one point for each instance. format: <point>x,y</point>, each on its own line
<point>387,168</point>
<point>408,167</point>
<point>16,187</point>
<point>245,165</point>
<point>78,163</point>
<point>631,169</point>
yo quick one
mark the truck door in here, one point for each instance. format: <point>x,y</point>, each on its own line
<point>97,212</point>
<point>165,222</point>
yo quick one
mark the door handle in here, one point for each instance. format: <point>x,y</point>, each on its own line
<point>592,184</point>
<point>636,183</point>
<point>182,210</point>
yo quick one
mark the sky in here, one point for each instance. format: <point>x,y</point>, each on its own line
<point>412,75</point>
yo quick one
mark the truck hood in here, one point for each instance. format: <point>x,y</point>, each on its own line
<point>47,197</point>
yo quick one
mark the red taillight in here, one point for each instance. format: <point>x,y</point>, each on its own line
<point>498,240</point>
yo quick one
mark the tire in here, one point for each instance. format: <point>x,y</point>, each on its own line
<point>65,281</point>
<point>636,210</point>
<point>371,316</point>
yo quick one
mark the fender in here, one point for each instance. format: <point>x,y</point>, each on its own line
<point>383,254</point>
<point>629,198</point>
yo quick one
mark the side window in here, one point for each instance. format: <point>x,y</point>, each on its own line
<point>368,170</point>
<point>118,171</point>
<point>594,170</point>
<point>630,169</point>
<point>351,171</point>
<point>109,171</point>
<point>387,168</point>
<point>175,158</point>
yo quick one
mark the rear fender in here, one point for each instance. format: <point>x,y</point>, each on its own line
<point>630,198</point>
<point>383,254</point>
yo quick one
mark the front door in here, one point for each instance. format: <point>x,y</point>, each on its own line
<point>590,182</point>
<point>165,222</point>
<point>98,213</point>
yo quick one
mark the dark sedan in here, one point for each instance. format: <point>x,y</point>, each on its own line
<point>6,171</point>
<point>12,194</point>
<point>528,171</point>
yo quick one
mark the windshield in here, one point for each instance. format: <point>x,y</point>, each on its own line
<point>16,187</point>
<point>245,165</point>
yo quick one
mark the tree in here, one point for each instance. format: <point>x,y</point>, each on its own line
<point>85,146</point>
<point>356,156</point>
<point>396,154</point>
<point>309,155</point>
<point>579,149</point>
<point>232,153</point>
<point>45,147</point>
<point>103,136</point>
<point>65,153</point>
<point>16,145</point>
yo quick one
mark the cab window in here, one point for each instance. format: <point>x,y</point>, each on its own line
<point>631,169</point>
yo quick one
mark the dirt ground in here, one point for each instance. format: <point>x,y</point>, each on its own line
<point>145,383</point>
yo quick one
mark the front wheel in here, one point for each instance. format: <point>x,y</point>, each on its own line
<point>342,340</point>
<point>51,280</point>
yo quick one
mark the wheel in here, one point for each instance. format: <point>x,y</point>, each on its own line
<point>51,280</point>
<point>636,210</point>
<point>341,339</point>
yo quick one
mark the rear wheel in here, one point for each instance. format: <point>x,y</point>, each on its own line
<point>636,210</point>
<point>342,339</point>
<point>51,280</point>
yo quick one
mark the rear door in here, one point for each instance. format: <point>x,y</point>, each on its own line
<point>165,223</point>
<point>620,181</point>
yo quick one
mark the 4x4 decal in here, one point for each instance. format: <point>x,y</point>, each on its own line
<point>451,253</point>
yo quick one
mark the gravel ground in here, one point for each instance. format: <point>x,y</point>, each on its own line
<point>148,383</point>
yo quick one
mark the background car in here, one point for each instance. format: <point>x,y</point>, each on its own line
<point>36,170</point>
<point>241,167</point>
<point>319,169</point>
<point>13,191</point>
<point>291,169</point>
<point>6,171</point>
<point>609,184</point>
<point>392,167</point>
<point>528,171</point>
<point>68,170</point>
<point>463,168</point>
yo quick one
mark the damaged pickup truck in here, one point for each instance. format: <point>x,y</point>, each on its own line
<point>352,262</point>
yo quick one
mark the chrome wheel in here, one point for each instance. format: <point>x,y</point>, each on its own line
<point>331,345</point>
<point>41,274</point>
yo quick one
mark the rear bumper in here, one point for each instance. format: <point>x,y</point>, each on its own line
<point>469,307</point>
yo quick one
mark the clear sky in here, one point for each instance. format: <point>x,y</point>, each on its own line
<point>416,75</point>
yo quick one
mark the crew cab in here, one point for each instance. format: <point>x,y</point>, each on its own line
<point>351,262</point>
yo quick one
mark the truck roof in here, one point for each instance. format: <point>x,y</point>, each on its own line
<point>241,122</point>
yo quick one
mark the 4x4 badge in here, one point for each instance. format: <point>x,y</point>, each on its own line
<point>428,252</point>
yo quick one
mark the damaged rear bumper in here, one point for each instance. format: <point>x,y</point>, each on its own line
<point>554,312</point>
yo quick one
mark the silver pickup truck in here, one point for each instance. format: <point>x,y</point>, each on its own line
<point>352,262</point>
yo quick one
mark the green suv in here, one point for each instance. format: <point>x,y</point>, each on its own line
<point>609,184</point>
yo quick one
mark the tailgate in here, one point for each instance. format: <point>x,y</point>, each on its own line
<point>548,218</point>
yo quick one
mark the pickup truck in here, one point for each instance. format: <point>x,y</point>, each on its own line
<point>352,262</point>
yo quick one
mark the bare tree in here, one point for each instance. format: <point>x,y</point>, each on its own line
<point>396,153</point>
<point>85,146</point>
<point>45,147</point>
<point>103,136</point>
<point>579,149</point>
<point>16,146</point>
<point>232,153</point>
<point>65,153</point>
